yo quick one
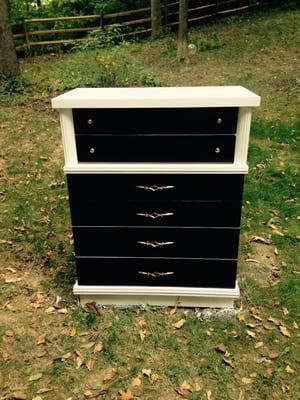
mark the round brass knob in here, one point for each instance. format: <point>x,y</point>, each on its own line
<point>92,150</point>
<point>90,121</point>
<point>219,121</point>
<point>217,150</point>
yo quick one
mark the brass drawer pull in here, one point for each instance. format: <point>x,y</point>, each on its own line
<point>156,274</point>
<point>155,188</point>
<point>155,215</point>
<point>155,244</point>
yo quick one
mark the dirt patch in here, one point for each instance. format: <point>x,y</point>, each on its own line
<point>263,264</point>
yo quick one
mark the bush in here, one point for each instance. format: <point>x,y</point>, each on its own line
<point>100,38</point>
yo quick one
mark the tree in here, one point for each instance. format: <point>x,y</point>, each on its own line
<point>155,18</point>
<point>8,57</point>
<point>182,44</point>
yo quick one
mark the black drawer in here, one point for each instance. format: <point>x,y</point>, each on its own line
<point>107,187</point>
<point>155,120</point>
<point>158,272</point>
<point>90,211</point>
<point>156,242</point>
<point>158,148</point>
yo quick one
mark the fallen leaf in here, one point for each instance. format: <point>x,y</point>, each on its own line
<point>37,398</point>
<point>173,311</point>
<point>73,332</point>
<point>142,322</point>
<point>136,382</point>
<point>183,393</point>
<point>186,386</point>
<point>90,364</point>
<point>79,362</point>
<point>40,339</point>
<point>220,348</point>
<point>251,333</point>
<point>154,377</point>
<point>247,381</point>
<point>98,347</point>
<point>241,317</point>
<point>179,324</point>
<point>9,333</point>
<point>276,251</point>
<point>285,388</point>
<point>146,372</point>
<point>87,345</point>
<point>41,354</point>
<point>260,239</point>
<point>275,321</point>
<point>289,370</point>
<point>284,331</point>
<point>295,325</point>
<point>92,395</point>
<point>208,395</point>
<point>91,306</point>
<point>50,310</point>
<point>258,345</point>
<point>18,395</point>
<point>66,356</point>
<point>125,395</point>
<point>12,280</point>
<point>273,354</point>
<point>35,377</point>
<point>109,374</point>
<point>44,390</point>
<point>143,334</point>
<point>252,260</point>
<point>62,311</point>
<point>268,373</point>
<point>253,375</point>
<point>228,361</point>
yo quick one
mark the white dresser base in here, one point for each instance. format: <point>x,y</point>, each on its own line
<point>157,296</point>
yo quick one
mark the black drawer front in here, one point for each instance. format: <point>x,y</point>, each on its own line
<point>107,187</point>
<point>89,211</point>
<point>163,148</point>
<point>158,272</point>
<point>156,242</point>
<point>156,120</point>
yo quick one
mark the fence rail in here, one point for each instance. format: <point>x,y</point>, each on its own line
<point>26,30</point>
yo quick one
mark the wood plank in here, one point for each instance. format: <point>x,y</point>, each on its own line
<point>47,31</point>
<point>50,42</point>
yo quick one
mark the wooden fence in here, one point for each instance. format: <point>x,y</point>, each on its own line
<point>46,31</point>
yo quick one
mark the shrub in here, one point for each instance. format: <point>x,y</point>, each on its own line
<point>100,38</point>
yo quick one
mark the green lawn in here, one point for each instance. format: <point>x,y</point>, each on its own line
<point>53,349</point>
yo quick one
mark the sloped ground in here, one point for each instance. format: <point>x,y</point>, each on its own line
<point>52,349</point>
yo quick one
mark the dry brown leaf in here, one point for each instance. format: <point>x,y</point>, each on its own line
<point>41,354</point>
<point>228,361</point>
<point>35,377</point>
<point>273,354</point>
<point>109,374</point>
<point>258,345</point>
<point>182,392</point>
<point>44,390</point>
<point>92,395</point>
<point>73,332</point>
<point>295,325</point>
<point>136,382</point>
<point>142,323</point>
<point>91,306</point>
<point>79,362</point>
<point>66,356</point>
<point>18,395</point>
<point>50,310</point>
<point>62,311</point>
<point>154,377</point>
<point>275,321</point>
<point>276,251</point>
<point>209,394</point>
<point>186,386</point>
<point>90,364</point>
<point>285,388</point>
<point>241,317</point>
<point>252,260</point>
<point>87,346</point>
<point>268,372</point>
<point>9,333</point>
<point>37,398</point>
<point>40,339</point>
<point>260,239</point>
<point>146,372</point>
<point>251,333</point>
<point>143,334</point>
<point>179,324</point>
<point>220,348</point>
<point>173,311</point>
<point>289,370</point>
<point>284,331</point>
<point>125,395</point>
<point>98,347</point>
<point>247,381</point>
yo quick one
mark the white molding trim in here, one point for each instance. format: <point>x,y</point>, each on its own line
<point>242,137</point>
<point>158,168</point>
<point>68,136</point>
<point>143,97</point>
<point>157,295</point>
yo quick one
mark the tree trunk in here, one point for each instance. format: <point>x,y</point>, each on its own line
<point>182,45</point>
<point>38,3</point>
<point>8,57</point>
<point>155,18</point>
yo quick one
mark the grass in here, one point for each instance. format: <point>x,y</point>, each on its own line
<point>258,51</point>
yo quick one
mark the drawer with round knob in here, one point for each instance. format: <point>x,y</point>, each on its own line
<point>122,121</point>
<point>159,148</point>
<point>156,272</point>
<point>156,242</point>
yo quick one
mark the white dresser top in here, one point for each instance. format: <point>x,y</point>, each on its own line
<point>204,96</point>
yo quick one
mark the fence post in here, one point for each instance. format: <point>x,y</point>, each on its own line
<point>102,20</point>
<point>26,34</point>
<point>217,10</point>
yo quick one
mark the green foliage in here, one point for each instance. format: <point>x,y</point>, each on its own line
<point>204,43</point>
<point>100,38</point>
<point>10,84</point>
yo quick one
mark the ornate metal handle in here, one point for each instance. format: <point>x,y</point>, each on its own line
<point>156,274</point>
<point>155,244</point>
<point>155,215</point>
<point>155,188</point>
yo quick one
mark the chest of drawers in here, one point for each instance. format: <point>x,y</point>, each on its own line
<point>155,180</point>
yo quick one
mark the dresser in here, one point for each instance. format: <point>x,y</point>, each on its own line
<point>155,180</point>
